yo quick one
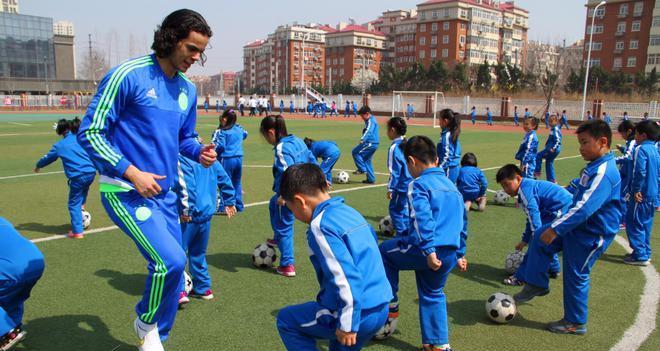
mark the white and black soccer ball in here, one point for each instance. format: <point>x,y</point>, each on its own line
<point>87,219</point>
<point>513,261</point>
<point>264,256</point>
<point>342,177</point>
<point>501,308</point>
<point>386,330</point>
<point>385,226</point>
<point>501,198</point>
<point>188,283</point>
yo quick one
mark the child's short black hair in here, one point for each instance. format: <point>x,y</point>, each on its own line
<point>469,159</point>
<point>399,124</point>
<point>535,122</point>
<point>74,124</point>
<point>649,128</point>
<point>230,115</point>
<point>63,126</point>
<point>508,172</point>
<point>308,142</point>
<point>596,128</point>
<point>625,126</point>
<point>275,122</point>
<point>364,110</point>
<point>303,178</point>
<point>421,148</point>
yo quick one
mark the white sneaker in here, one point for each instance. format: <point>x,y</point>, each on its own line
<point>148,335</point>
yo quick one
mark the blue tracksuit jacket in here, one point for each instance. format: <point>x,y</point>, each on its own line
<point>75,160</point>
<point>370,131</point>
<point>289,151</point>
<point>449,152</point>
<point>625,163</point>
<point>325,149</point>
<point>349,268</point>
<point>229,142</point>
<point>645,171</point>
<point>542,202</point>
<point>197,189</point>
<point>139,120</point>
<point>399,176</point>
<point>554,140</point>
<point>527,151</point>
<point>471,183</point>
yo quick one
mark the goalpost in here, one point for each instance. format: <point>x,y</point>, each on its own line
<point>418,104</point>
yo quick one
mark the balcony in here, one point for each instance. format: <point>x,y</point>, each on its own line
<point>618,51</point>
<point>623,15</point>
<point>619,34</point>
<point>637,14</point>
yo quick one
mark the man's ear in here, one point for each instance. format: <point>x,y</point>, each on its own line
<point>299,200</point>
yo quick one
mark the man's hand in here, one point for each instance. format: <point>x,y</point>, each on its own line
<point>143,182</point>
<point>208,155</point>
<point>618,146</point>
<point>548,236</point>
<point>230,211</point>
<point>185,218</point>
<point>521,245</point>
<point>346,338</point>
<point>37,169</point>
<point>389,195</point>
<point>639,197</point>
<point>462,264</point>
<point>433,262</point>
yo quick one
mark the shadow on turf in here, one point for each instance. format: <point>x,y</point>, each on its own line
<point>43,228</point>
<point>230,261</point>
<point>472,312</point>
<point>482,274</point>
<point>131,284</point>
<point>70,332</point>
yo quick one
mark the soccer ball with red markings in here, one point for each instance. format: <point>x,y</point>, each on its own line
<point>264,256</point>
<point>501,308</point>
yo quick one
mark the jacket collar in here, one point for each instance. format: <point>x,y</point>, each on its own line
<point>335,201</point>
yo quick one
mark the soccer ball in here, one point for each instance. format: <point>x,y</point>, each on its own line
<point>188,285</point>
<point>385,226</point>
<point>501,308</point>
<point>264,256</point>
<point>513,261</point>
<point>386,330</point>
<point>342,177</point>
<point>501,197</point>
<point>87,219</point>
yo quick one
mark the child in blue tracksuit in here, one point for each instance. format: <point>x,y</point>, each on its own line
<point>410,111</point>
<point>281,106</point>
<point>564,120</point>
<point>527,151</point>
<point>327,151</point>
<point>542,202</point>
<point>224,105</point>
<point>347,109</point>
<point>431,245</point>
<point>289,150</point>
<point>626,130</point>
<point>527,113</point>
<point>197,191</point>
<point>550,152</point>
<point>78,168</point>
<point>397,186</point>
<point>292,108</point>
<point>472,183</point>
<point>352,304</point>
<point>515,116</point>
<point>546,119</point>
<point>217,106</point>
<point>473,115</point>
<point>584,232</point>
<point>489,117</point>
<point>449,148</point>
<point>21,266</point>
<point>355,109</point>
<point>642,193</point>
<point>363,153</point>
<point>228,141</point>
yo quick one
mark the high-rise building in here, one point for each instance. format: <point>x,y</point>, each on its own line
<point>399,27</point>
<point>63,28</point>
<point>250,64</point>
<point>9,6</point>
<point>26,46</point>
<point>626,35</point>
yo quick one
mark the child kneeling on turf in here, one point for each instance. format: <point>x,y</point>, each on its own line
<point>352,303</point>
<point>543,202</point>
<point>472,183</point>
<point>584,232</point>
<point>431,245</point>
<point>196,191</point>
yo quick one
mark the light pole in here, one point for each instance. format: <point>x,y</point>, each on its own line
<point>586,74</point>
<point>302,68</point>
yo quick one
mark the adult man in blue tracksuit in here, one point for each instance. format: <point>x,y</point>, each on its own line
<point>584,232</point>
<point>542,203</point>
<point>197,191</point>
<point>364,151</point>
<point>21,266</point>
<point>352,303</point>
<point>430,246</point>
<point>141,118</point>
<point>397,186</point>
<point>328,152</point>
<point>78,169</point>
<point>550,152</point>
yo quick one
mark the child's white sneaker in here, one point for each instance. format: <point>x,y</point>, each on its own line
<point>148,335</point>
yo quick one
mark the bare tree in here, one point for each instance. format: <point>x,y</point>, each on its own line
<point>94,66</point>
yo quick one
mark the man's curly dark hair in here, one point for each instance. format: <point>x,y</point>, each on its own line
<point>175,27</point>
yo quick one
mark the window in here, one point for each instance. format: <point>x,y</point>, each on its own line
<point>639,7</point>
<point>445,39</point>
<point>619,45</point>
<point>656,21</point>
<point>461,54</point>
<point>463,26</point>
<point>445,26</point>
<point>434,14</point>
<point>445,53</point>
<point>434,53</point>
<point>422,54</point>
<point>632,61</point>
<point>617,62</point>
<point>422,15</point>
<point>653,59</point>
<point>327,61</point>
<point>623,10</point>
<point>462,39</point>
<point>636,25</point>
<point>600,13</point>
<point>598,29</point>
<point>422,27</point>
<point>655,40</point>
<point>620,27</point>
<point>597,46</point>
<point>434,40</point>
<point>341,60</point>
<point>434,27</point>
<point>634,44</point>
<point>422,41</point>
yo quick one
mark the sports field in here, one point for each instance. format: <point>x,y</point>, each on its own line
<point>86,297</point>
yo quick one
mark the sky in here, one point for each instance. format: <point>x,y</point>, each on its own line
<point>123,29</point>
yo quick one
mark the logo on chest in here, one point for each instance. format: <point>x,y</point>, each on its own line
<point>152,94</point>
<point>183,101</point>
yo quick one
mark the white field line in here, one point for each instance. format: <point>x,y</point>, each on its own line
<point>22,134</point>
<point>30,175</point>
<point>21,124</point>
